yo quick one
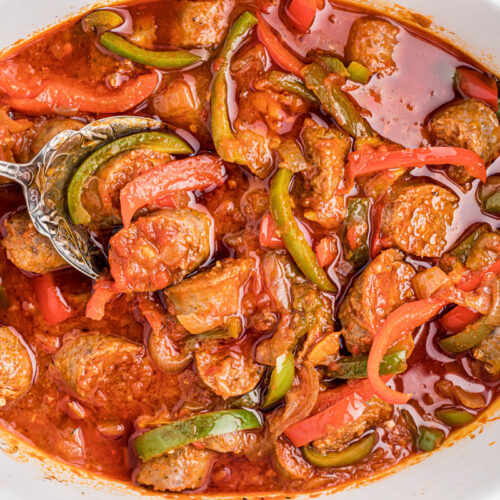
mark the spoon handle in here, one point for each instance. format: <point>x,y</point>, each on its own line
<point>22,173</point>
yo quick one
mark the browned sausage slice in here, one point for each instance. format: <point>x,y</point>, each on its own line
<point>159,249</point>
<point>27,249</point>
<point>384,285</point>
<point>417,217</point>
<point>228,370</point>
<point>209,299</point>
<point>371,42</point>
<point>468,124</point>
<point>85,362</point>
<point>200,23</point>
<point>184,469</point>
<point>16,369</point>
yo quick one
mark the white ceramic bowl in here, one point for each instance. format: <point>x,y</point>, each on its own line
<point>468,469</point>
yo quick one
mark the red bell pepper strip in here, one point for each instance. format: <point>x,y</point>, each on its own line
<point>103,292</point>
<point>348,403</point>
<point>369,160</point>
<point>280,55</point>
<point>268,233</point>
<point>476,85</point>
<point>458,318</point>
<point>53,305</point>
<point>399,323</point>
<point>189,174</point>
<point>55,95</point>
<point>377,244</point>
<point>326,251</point>
<point>473,279</point>
<point>301,13</point>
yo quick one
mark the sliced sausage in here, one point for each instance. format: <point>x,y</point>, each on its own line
<point>183,469</point>
<point>200,23</point>
<point>50,129</point>
<point>86,361</point>
<point>325,151</point>
<point>27,249</point>
<point>467,124</point>
<point>228,370</point>
<point>184,102</point>
<point>16,369</point>
<point>417,217</point>
<point>101,194</point>
<point>211,298</point>
<point>232,442</point>
<point>383,286</point>
<point>375,412</point>
<point>159,249</point>
<point>289,460</point>
<point>371,42</point>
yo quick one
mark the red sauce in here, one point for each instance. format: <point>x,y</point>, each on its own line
<point>396,106</point>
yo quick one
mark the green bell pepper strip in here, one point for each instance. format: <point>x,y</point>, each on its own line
<point>489,195</point>
<point>101,21</point>
<point>492,204</point>
<point>462,250</point>
<point>358,72</point>
<point>226,143</point>
<point>351,455</point>
<point>356,224</point>
<point>289,230</point>
<point>167,59</point>
<point>159,141</point>
<point>333,65</point>
<point>410,424</point>
<point>429,439</point>
<point>249,400</point>
<point>293,84</point>
<point>167,437</point>
<point>281,379</point>
<point>455,418</point>
<point>355,367</point>
<point>469,337</point>
<point>335,101</point>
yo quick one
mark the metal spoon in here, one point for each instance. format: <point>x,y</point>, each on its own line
<point>45,179</point>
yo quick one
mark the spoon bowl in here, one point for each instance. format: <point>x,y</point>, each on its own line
<point>45,179</point>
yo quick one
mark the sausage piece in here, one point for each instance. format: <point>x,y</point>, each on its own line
<point>16,369</point>
<point>183,469</point>
<point>231,442</point>
<point>383,286</point>
<point>101,194</point>
<point>228,370</point>
<point>50,129</point>
<point>325,151</point>
<point>468,124</point>
<point>209,299</point>
<point>200,23</point>
<point>159,249</point>
<point>86,361</point>
<point>27,249</point>
<point>375,412</point>
<point>289,460</point>
<point>416,218</point>
<point>371,42</point>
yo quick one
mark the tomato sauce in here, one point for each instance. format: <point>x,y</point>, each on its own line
<point>397,108</point>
